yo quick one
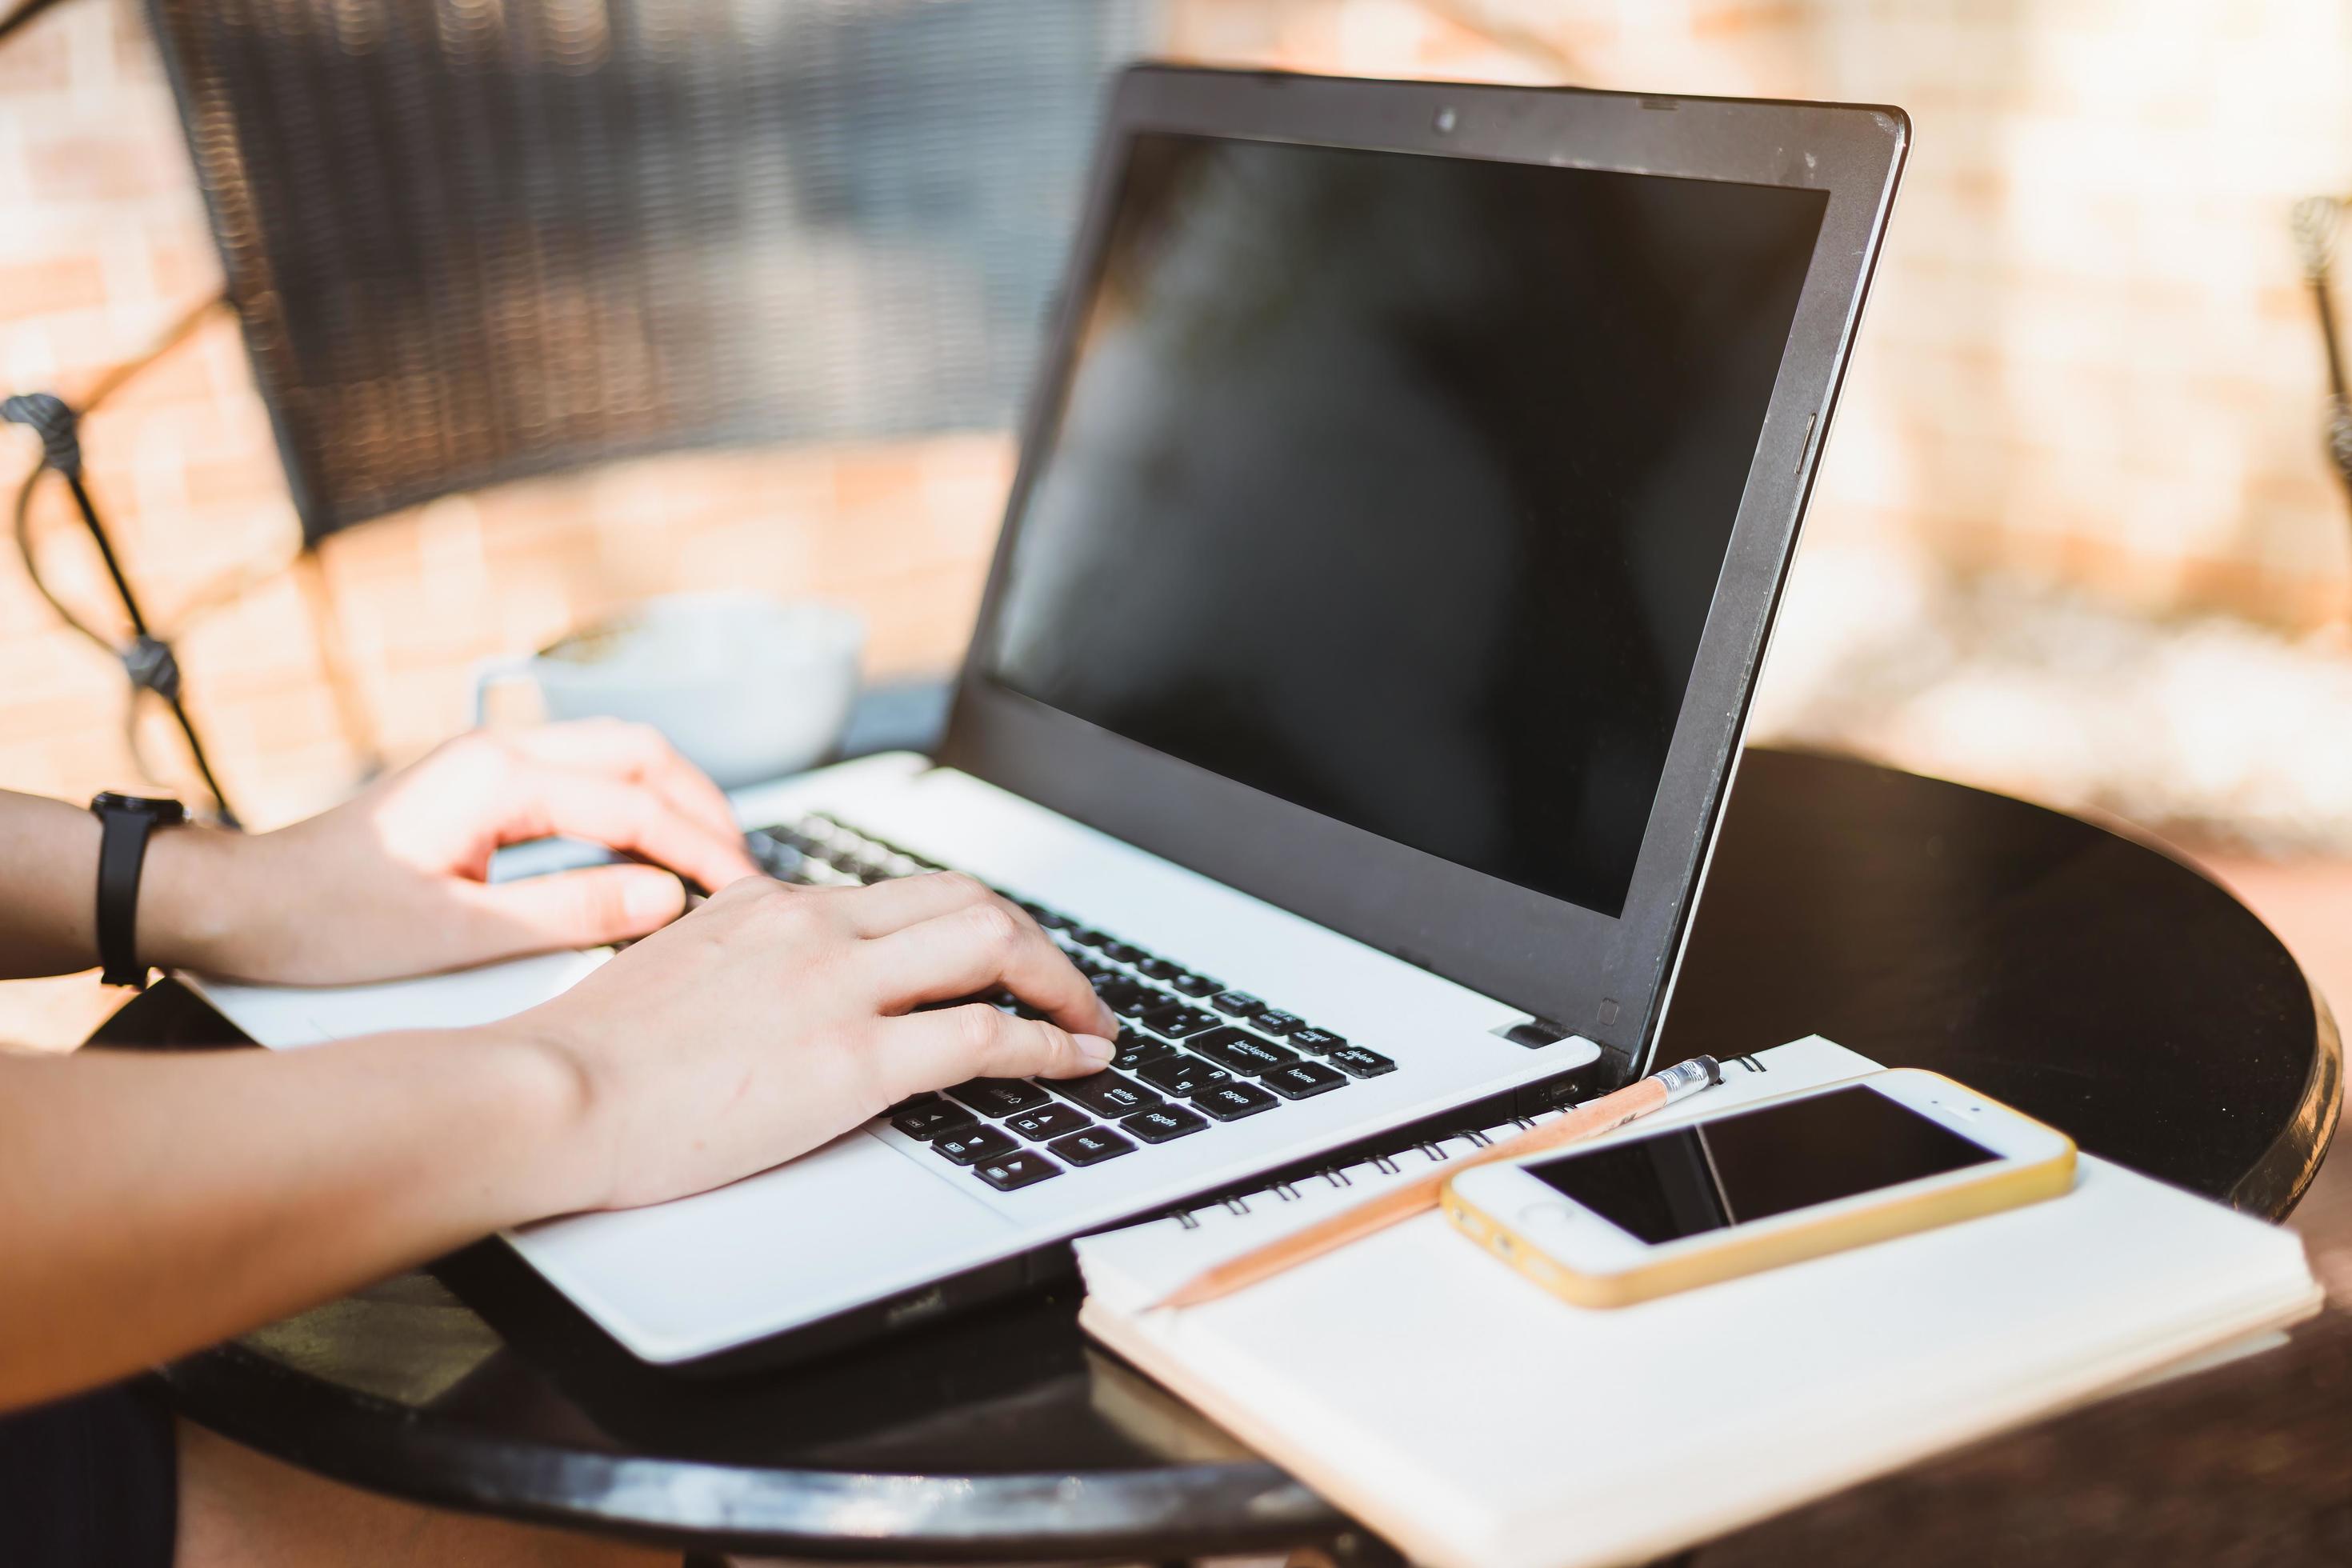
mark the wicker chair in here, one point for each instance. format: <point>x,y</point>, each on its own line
<point>477,239</point>
<point>472,240</point>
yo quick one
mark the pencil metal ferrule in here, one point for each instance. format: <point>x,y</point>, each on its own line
<point>1688,1078</point>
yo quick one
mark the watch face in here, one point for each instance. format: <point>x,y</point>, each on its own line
<point>167,812</point>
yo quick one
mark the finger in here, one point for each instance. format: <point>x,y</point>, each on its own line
<point>634,752</point>
<point>931,1050</point>
<point>626,816</point>
<point>880,908</point>
<point>574,908</point>
<point>976,948</point>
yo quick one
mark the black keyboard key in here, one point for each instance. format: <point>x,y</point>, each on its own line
<point>1266,1021</point>
<point>1360,1062</point>
<point>1307,1038</point>
<point>1301,1080</point>
<point>1175,1021</point>
<point>1106,1094</point>
<point>1157,968</point>
<point>1135,1048</point>
<point>1086,936</point>
<point>1163,1123</point>
<point>1052,920</point>
<point>1236,1003</point>
<point>1132,998</point>
<point>999,1096</point>
<point>1091,1147</point>
<point>1090,966</point>
<point>1232,1101</point>
<point>1123,952</point>
<point>1196,985</point>
<point>969,1145</point>
<point>1153,1000</point>
<point>1238,1050</point>
<point>928,1121</point>
<point>778,859</point>
<point>1047,1122</point>
<point>1181,1077</point>
<point>1014,1171</point>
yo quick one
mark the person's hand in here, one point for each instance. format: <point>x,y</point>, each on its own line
<point>391,882</point>
<point>774,1018</point>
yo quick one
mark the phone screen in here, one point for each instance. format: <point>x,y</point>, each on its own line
<point>1760,1162</point>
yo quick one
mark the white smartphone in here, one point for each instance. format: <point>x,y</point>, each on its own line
<point>1638,1215</point>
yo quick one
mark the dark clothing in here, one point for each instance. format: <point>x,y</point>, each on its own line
<point>89,1480</point>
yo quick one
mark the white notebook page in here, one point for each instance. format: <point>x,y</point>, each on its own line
<point>1472,1418</point>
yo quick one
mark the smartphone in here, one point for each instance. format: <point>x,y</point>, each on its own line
<point>1637,1216</point>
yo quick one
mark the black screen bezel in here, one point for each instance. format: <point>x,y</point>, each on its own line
<point>1605,978</point>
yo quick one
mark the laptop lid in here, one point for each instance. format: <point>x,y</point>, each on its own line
<point>1406,496</point>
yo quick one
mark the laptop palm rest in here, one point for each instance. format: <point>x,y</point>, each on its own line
<point>832,1230</point>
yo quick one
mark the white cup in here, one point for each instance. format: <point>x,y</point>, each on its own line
<point>747,688</point>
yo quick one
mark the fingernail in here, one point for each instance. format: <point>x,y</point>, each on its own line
<point>1095,1048</point>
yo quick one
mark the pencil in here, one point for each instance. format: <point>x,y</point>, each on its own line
<point>1587,1120</point>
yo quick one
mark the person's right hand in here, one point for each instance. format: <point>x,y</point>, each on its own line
<point>774,1018</point>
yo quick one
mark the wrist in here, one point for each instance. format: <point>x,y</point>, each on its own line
<point>564,1163</point>
<point>193,909</point>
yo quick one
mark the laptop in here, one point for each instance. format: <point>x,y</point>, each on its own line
<point>1408,487</point>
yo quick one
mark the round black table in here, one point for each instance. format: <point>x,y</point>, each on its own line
<point>2089,980</point>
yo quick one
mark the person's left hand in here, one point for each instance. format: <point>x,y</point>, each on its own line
<point>392,882</point>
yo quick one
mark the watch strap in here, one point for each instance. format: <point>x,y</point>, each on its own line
<point>124,827</point>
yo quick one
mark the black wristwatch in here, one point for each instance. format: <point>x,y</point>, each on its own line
<point>126,821</point>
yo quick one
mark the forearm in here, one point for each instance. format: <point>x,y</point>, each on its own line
<point>48,868</point>
<point>151,1204</point>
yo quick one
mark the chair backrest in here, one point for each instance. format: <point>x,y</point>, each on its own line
<point>476,239</point>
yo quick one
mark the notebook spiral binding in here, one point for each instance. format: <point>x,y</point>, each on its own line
<point>1383,1161</point>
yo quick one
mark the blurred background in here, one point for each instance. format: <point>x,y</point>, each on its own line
<point>759,283</point>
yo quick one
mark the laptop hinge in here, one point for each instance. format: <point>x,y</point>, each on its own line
<point>1612,1067</point>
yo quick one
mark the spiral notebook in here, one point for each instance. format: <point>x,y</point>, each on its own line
<point>1470,1418</point>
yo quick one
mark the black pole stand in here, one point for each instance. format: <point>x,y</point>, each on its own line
<point>2316,220</point>
<point>149,660</point>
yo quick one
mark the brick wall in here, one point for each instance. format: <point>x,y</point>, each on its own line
<point>2089,358</point>
<point>103,244</point>
<point>2088,363</point>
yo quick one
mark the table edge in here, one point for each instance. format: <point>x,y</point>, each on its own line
<point>1179,1509</point>
<point>2284,1172</point>
<point>1167,1511</point>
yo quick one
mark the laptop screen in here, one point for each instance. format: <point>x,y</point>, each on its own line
<point>1398,486</point>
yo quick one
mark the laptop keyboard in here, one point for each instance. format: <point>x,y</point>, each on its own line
<point>1192,1054</point>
